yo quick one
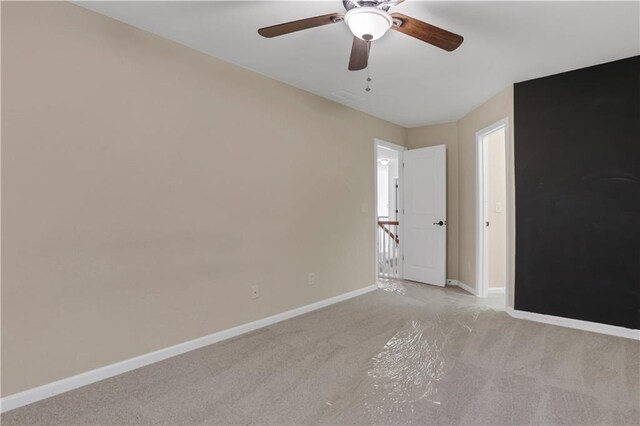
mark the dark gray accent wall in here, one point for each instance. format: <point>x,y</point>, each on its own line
<point>577,174</point>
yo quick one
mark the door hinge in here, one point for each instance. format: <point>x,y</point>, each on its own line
<point>487,223</point>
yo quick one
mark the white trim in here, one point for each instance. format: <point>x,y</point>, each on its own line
<point>389,145</point>
<point>496,290</point>
<point>462,285</point>
<point>594,327</point>
<point>481,242</point>
<point>64,385</point>
<point>482,245</point>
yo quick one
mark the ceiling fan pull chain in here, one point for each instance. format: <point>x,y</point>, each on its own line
<point>368,89</point>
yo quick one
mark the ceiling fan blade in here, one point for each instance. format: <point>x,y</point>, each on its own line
<point>427,32</point>
<point>359,54</point>
<point>302,24</point>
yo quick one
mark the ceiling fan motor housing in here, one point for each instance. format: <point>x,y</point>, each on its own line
<point>350,4</point>
<point>368,23</point>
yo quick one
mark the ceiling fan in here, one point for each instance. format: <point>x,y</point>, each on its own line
<point>369,20</point>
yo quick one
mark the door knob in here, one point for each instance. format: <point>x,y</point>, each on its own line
<point>439,223</point>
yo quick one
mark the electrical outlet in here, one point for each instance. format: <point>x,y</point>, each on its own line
<point>255,292</point>
<point>312,278</point>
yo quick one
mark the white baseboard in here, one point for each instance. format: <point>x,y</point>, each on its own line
<point>497,290</point>
<point>64,385</point>
<point>594,327</point>
<point>461,285</point>
<point>577,324</point>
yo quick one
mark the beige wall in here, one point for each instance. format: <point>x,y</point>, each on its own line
<point>146,187</point>
<point>496,193</point>
<point>460,138</point>
<point>446,134</point>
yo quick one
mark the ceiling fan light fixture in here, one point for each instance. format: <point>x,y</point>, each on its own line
<point>368,23</point>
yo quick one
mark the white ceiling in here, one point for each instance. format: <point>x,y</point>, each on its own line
<point>413,83</point>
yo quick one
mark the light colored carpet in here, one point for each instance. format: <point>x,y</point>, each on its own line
<point>405,354</point>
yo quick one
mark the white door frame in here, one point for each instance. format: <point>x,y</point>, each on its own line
<point>482,285</point>
<point>399,149</point>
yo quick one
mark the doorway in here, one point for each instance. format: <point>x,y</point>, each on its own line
<point>388,160</point>
<point>492,215</point>
<point>410,213</point>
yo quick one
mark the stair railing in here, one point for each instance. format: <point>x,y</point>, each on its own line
<point>388,248</point>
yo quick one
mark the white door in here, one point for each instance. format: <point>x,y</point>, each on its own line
<point>425,215</point>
